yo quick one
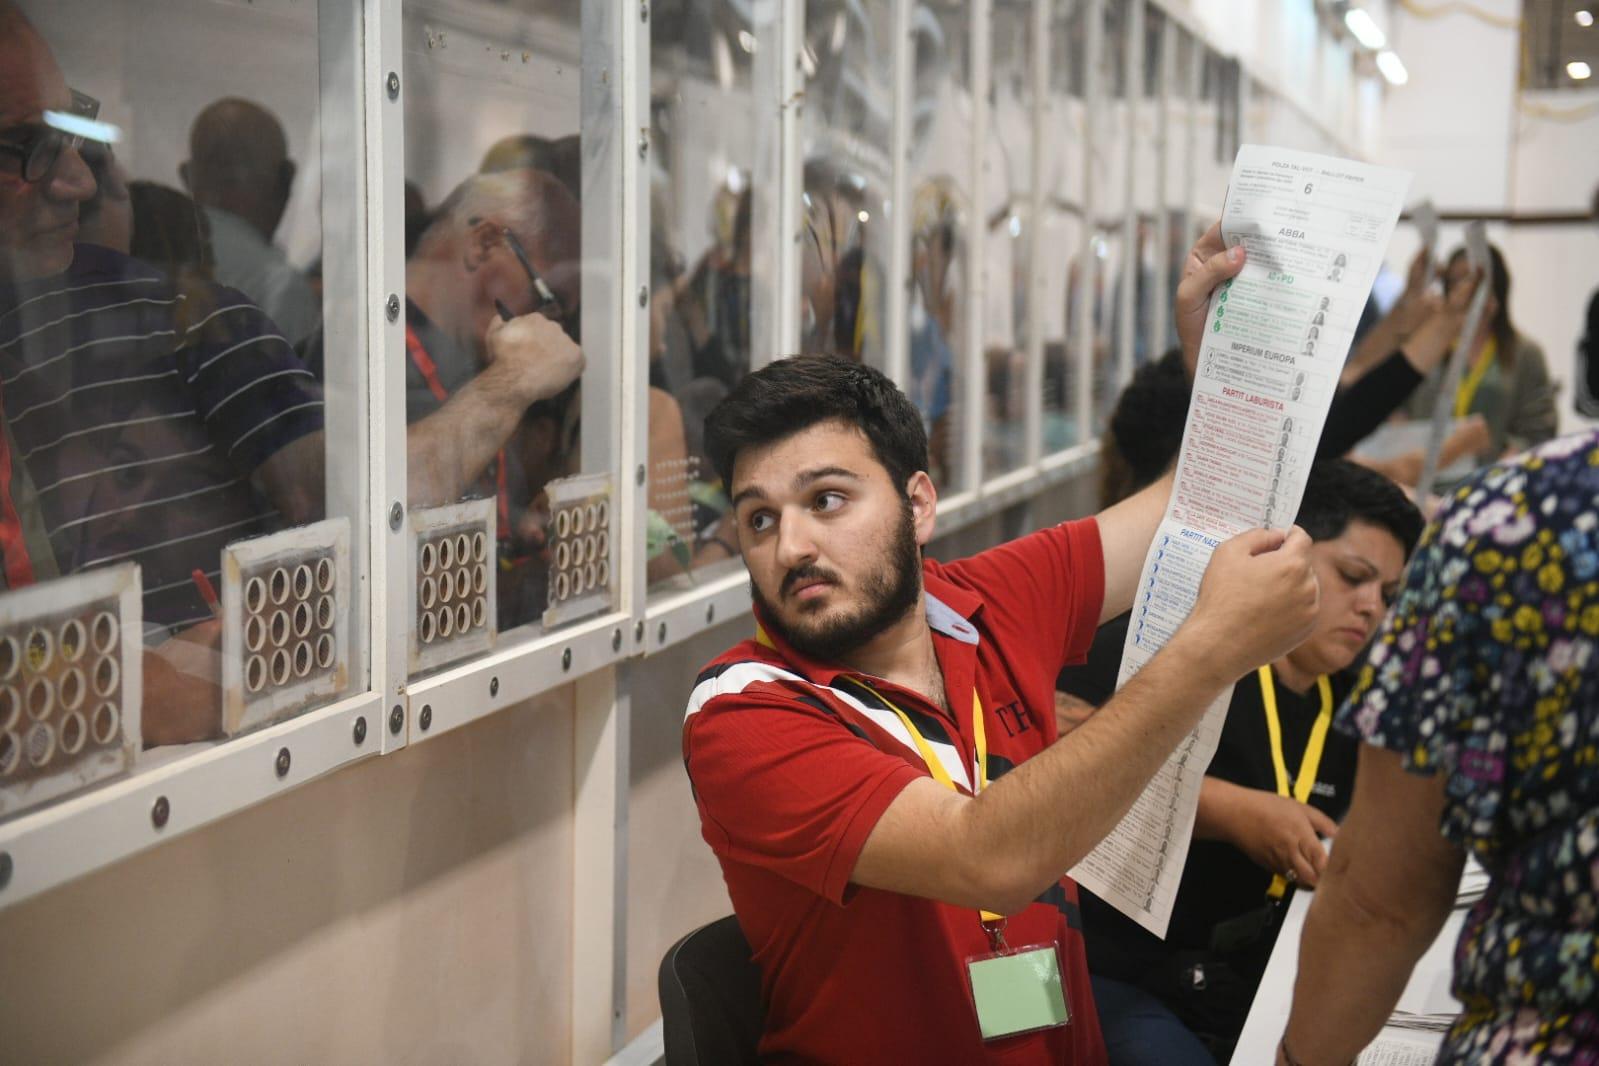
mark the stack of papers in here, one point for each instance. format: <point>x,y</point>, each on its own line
<point>1391,1049</point>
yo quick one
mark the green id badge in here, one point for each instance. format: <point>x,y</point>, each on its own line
<point>1018,991</point>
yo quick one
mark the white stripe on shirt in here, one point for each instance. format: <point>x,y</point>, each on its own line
<point>739,676</point>
<point>83,388</point>
<point>148,503</point>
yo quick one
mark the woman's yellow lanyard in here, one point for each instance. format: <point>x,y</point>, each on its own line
<point>993,924</point>
<point>1305,781</point>
<point>1467,391</point>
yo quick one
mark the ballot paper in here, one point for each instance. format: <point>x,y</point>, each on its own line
<point>1425,218</point>
<point>1392,1049</point>
<point>1315,229</point>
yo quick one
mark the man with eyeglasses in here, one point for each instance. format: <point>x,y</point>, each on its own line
<point>155,420</point>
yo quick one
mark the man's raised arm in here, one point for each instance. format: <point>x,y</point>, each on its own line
<point>999,850</point>
<point>1126,529</point>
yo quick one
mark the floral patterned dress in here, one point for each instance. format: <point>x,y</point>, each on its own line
<point>1487,671</point>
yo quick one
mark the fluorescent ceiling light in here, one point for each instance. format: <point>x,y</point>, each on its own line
<point>1584,17</point>
<point>1578,70</point>
<point>1367,32</point>
<point>1390,67</point>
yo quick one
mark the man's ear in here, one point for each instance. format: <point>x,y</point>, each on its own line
<point>923,499</point>
<point>481,236</point>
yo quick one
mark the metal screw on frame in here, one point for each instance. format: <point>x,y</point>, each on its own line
<point>494,687</point>
<point>396,515</point>
<point>643,295</point>
<point>638,632</point>
<point>616,640</point>
<point>643,143</point>
<point>425,720</point>
<point>391,307</point>
<point>359,732</point>
<point>638,475</point>
<point>394,86</point>
<point>644,11</point>
<point>566,659</point>
<point>5,869</point>
<point>160,812</point>
<point>282,763</point>
<point>396,719</point>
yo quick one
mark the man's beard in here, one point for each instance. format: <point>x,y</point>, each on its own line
<point>890,593</point>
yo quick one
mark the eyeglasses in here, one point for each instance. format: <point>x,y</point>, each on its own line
<point>545,301</point>
<point>34,158</point>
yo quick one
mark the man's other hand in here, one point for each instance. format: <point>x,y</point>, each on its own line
<point>1256,603</point>
<point>1209,263</point>
<point>1281,834</point>
<point>536,354</point>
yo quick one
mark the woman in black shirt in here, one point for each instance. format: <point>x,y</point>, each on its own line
<point>1280,778</point>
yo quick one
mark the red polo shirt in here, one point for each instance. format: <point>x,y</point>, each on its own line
<point>792,764</point>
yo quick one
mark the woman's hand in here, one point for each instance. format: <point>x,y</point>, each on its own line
<point>1280,835</point>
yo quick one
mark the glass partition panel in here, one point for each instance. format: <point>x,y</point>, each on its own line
<point>1112,128</point>
<point>1214,158</point>
<point>175,567</point>
<point>505,187</point>
<point>941,162</point>
<point>1147,130</point>
<point>1065,148</point>
<point>1008,159</point>
<point>848,62</point>
<point>1182,143</point>
<point>709,139</point>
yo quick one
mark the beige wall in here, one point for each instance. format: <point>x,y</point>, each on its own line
<point>673,882</point>
<point>411,909</point>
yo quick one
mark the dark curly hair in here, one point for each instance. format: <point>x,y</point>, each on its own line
<point>794,394</point>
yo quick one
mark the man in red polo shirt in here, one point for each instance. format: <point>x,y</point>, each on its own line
<point>878,772</point>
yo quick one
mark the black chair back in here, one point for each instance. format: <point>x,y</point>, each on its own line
<point>711,1012</point>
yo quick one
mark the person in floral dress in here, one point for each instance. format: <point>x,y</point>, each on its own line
<point>1478,707</point>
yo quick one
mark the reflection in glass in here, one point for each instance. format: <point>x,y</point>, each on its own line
<point>941,160</point>
<point>1142,266</point>
<point>1008,157</point>
<point>494,281</point>
<point>155,406</point>
<point>706,138</point>
<point>847,61</point>
<point>1065,111</point>
<point>1111,204</point>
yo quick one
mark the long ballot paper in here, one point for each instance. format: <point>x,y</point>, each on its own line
<point>1315,229</point>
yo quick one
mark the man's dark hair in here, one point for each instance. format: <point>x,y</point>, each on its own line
<point>1338,492</point>
<point>794,394</point>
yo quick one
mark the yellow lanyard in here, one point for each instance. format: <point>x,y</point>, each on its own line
<point>1305,781</point>
<point>924,749</point>
<point>993,924</point>
<point>936,767</point>
<point>1468,385</point>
